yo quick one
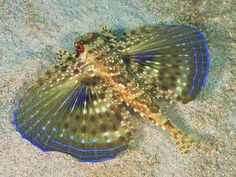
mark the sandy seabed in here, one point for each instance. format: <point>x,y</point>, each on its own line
<point>32,31</point>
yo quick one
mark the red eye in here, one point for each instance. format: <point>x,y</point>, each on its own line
<point>79,47</point>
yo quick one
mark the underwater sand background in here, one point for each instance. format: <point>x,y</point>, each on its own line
<point>32,31</point>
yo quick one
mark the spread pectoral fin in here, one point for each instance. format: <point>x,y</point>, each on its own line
<point>170,61</point>
<point>76,115</point>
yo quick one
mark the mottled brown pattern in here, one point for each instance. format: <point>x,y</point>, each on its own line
<point>85,100</point>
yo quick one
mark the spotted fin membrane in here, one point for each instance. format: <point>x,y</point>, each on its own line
<point>81,106</point>
<point>170,61</point>
<point>74,115</point>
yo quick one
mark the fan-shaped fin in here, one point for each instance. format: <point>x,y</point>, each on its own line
<point>76,115</point>
<point>170,61</point>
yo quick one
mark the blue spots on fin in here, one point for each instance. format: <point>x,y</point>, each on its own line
<point>22,134</point>
<point>46,142</point>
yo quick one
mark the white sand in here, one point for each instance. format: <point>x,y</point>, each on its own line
<point>32,31</point>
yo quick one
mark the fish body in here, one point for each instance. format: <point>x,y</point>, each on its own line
<point>81,106</point>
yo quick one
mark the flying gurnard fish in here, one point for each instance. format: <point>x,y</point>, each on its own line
<point>81,106</point>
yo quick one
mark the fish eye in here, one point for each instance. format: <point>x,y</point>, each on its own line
<point>79,47</point>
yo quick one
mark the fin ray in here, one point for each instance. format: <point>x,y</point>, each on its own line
<point>81,117</point>
<point>167,59</point>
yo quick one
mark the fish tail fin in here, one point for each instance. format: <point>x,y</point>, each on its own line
<point>182,140</point>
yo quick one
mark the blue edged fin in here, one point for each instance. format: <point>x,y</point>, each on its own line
<point>81,119</point>
<point>168,60</point>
